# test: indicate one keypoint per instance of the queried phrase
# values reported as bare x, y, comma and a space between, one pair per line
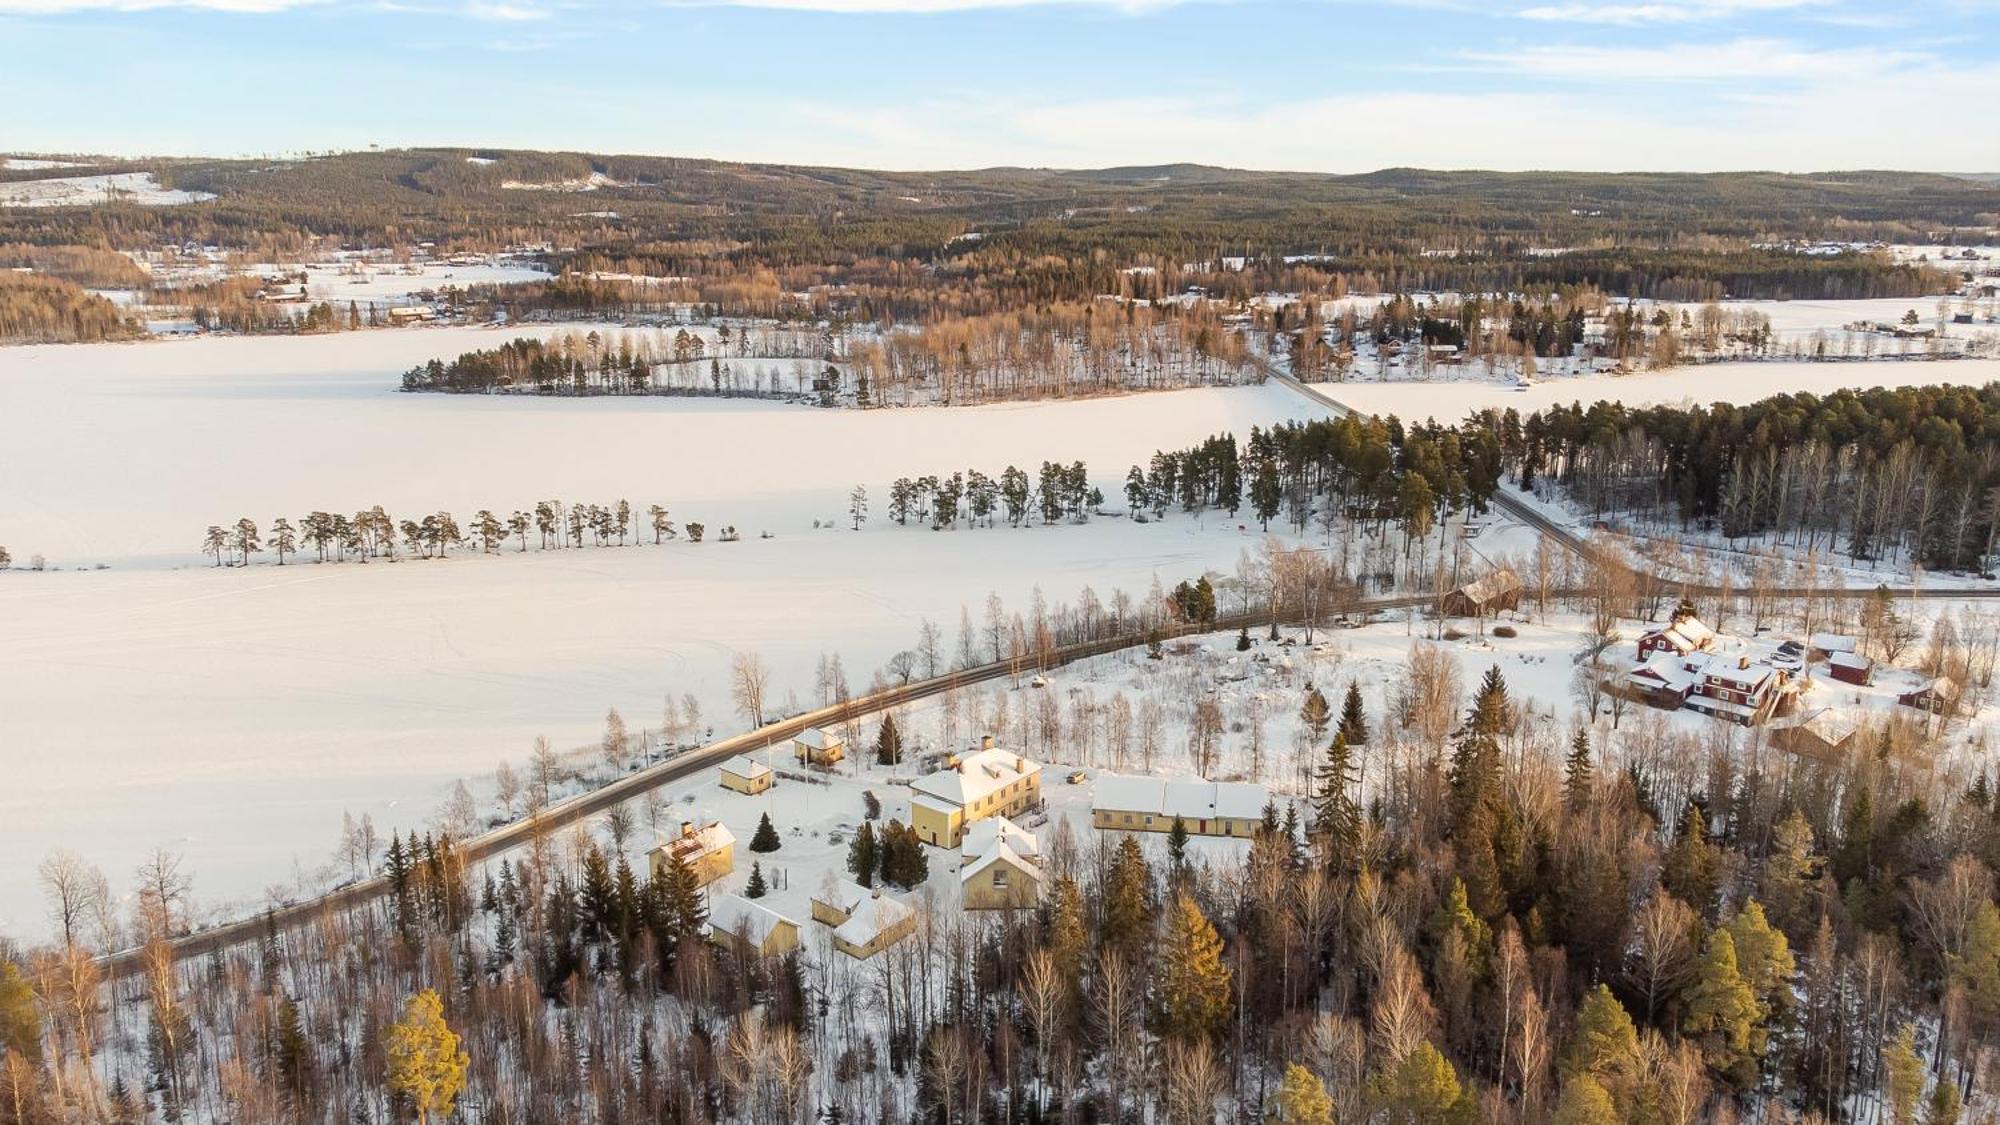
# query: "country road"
585, 805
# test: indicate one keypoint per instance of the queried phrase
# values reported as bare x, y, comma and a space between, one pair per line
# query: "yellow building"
1204, 808
1001, 879
746, 775
990, 782
741, 926
876, 923
816, 747
708, 850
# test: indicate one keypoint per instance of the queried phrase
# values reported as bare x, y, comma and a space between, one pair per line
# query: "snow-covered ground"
1449, 400
234, 714
31, 164
82, 191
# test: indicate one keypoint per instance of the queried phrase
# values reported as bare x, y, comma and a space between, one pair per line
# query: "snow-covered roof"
1499, 582
742, 765
983, 834
734, 914
843, 896
1847, 660
1665, 669
976, 776
870, 918
1188, 800
699, 841
1000, 852
817, 739
1694, 630
1833, 642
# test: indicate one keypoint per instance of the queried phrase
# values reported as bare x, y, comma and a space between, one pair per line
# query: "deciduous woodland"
38, 308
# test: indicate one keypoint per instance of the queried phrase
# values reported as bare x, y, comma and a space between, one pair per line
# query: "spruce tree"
1692, 869
1579, 776
888, 743
755, 887
1177, 841
1605, 1045
1128, 896
1192, 981
1353, 719
861, 855
765, 839
1336, 814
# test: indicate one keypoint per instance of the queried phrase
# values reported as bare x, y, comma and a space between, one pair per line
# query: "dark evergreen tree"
765, 839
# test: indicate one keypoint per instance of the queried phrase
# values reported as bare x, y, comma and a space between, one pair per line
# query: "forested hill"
1183, 210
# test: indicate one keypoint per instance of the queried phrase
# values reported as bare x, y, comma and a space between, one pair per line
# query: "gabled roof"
976, 776
1188, 800
1000, 853
870, 918
843, 896
742, 765
816, 739
1502, 581
1833, 642
734, 914
983, 834
710, 837
1848, 660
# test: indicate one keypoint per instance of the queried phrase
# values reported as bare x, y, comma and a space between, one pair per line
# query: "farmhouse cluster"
979, 808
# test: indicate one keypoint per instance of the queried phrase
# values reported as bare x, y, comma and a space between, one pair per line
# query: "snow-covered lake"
235, 714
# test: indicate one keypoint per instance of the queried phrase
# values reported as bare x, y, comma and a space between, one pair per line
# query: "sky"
1309, 85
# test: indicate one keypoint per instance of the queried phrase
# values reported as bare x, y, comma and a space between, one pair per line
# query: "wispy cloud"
1761, 60
1661, 11
926, 7
59, 7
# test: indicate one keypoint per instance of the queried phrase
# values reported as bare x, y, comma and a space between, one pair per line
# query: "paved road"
1575, 541
585, 805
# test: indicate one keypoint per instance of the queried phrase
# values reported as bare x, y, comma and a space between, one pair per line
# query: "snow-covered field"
82, 191
1716, 382
234, 714
391, 285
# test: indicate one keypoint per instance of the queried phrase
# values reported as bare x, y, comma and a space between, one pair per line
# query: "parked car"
1075, 777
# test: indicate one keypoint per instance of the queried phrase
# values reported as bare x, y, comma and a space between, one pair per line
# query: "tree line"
372, 533
1898, 474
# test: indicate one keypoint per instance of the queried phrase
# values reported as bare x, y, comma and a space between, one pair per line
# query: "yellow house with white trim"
989, 782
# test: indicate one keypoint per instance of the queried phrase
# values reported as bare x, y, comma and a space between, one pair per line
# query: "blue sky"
1323, 85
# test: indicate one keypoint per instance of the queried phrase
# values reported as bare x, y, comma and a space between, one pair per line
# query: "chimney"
1020, 764
986, 742
687, 829
1743, 664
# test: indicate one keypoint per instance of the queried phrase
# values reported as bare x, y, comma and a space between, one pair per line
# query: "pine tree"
1903, 1076
1177, 842
599, 895
888, 743
765, 839
862, 859
1454, 920
755, 887
1578, 775
291, 1051
1721, 1012
425, 1062
1353, 719
1605, 1045
1945, 1104
1585, 1102
1764, 958
1422, 1089
1192, 982
1301, 1099
20, 1021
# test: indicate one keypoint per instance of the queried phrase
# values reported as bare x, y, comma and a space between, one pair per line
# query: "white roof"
1847, 659
843, 896
734, 914
742, 765
710, 837
817, 739
977, 776
1833, 642
871, 916
1188, 800
983, 834
1001, 853
1671, 670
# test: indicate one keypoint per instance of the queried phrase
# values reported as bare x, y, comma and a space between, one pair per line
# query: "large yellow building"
989, 782
709, 850
1152, 804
